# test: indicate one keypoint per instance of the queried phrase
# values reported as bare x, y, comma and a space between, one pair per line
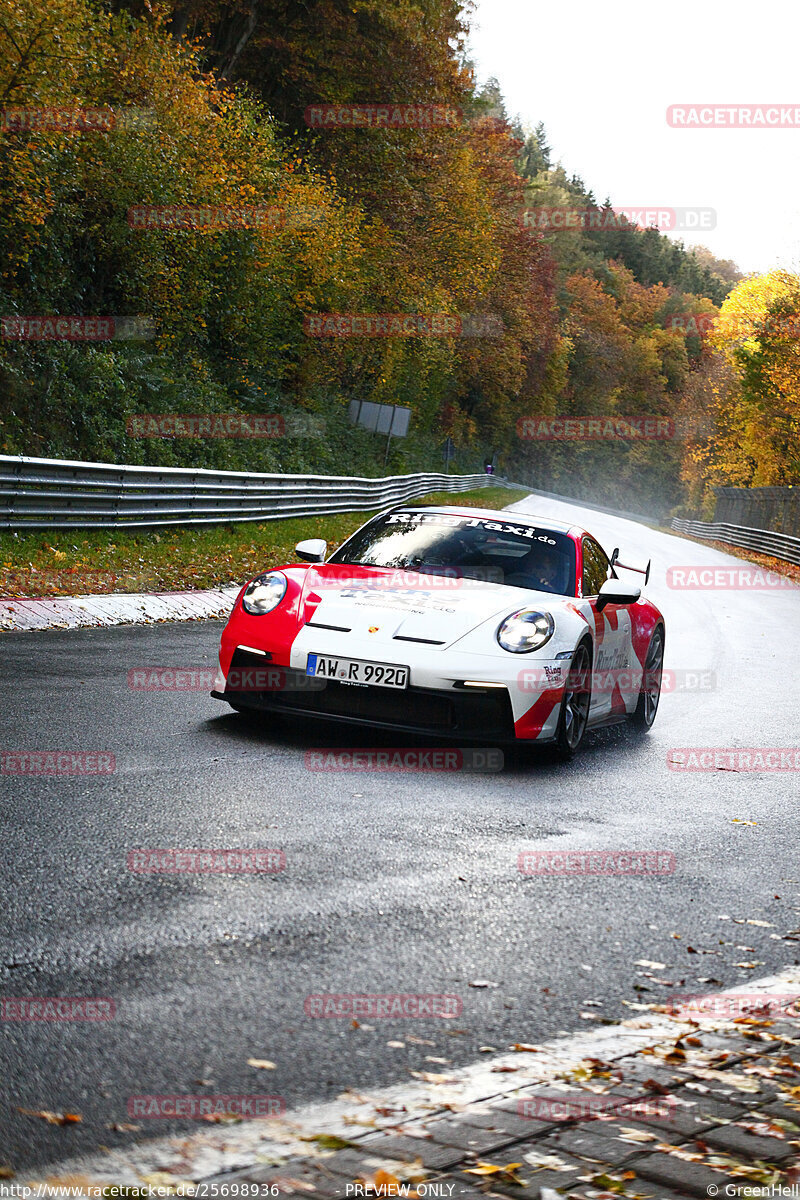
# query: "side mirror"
312, 550
617, 591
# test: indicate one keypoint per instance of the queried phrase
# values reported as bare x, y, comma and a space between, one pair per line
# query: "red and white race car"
451, 622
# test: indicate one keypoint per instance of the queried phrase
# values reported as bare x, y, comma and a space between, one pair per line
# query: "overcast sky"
601, 74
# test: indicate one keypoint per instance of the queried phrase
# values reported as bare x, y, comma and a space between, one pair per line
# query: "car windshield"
496, 551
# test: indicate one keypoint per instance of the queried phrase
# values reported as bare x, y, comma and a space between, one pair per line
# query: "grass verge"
74, 562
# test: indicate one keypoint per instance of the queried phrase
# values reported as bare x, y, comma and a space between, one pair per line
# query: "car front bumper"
477, 706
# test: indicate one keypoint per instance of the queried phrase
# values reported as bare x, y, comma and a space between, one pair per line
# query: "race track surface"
395, 883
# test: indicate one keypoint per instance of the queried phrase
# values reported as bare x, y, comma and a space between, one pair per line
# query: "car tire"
650, 692
575, 703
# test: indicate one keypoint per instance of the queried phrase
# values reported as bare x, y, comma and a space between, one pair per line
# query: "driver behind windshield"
543, 569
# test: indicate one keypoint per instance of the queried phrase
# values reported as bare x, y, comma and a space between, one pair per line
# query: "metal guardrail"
49, 493
762, 541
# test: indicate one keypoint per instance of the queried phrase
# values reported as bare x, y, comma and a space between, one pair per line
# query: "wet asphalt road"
394, 883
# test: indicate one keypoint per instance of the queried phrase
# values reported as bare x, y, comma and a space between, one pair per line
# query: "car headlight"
265, 593
525, 630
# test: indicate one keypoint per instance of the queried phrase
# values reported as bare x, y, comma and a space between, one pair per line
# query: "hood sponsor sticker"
411, 602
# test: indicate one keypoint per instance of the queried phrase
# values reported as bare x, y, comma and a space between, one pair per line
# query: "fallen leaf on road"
385, 1184
630, 1134
748, 966
262, 1063
329, 1141
762, 1128
167, 1183
52, 1118
396, 1045
520, 1046
443, 1062
676, 1054
652, 1085
740, 1082
418, 1041
612, 1183
482, 983
646, 962
430, 1077
6, 1172
508, 1173
679, 1152
545, 1162
122, 1127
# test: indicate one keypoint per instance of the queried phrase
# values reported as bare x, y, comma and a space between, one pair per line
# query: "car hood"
437, 609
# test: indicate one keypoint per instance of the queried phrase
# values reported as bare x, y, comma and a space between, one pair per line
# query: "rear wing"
639, 570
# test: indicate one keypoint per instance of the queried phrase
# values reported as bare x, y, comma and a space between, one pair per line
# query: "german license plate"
350, 670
